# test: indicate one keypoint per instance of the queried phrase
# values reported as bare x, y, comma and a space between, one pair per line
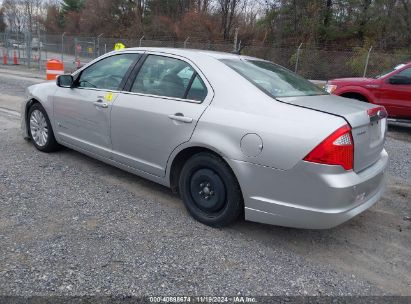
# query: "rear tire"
40, 130
210, 191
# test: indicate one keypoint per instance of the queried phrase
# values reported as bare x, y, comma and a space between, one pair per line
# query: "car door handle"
180, 117
99, 103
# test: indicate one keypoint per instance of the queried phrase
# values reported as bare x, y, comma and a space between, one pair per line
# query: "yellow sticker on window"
109, 97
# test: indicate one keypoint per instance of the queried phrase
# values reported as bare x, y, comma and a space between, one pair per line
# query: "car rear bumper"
310, 196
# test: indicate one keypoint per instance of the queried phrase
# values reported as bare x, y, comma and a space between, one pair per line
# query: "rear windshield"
273, 79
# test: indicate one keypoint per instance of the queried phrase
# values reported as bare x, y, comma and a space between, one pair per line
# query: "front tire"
210, 191
40, 130
355, 96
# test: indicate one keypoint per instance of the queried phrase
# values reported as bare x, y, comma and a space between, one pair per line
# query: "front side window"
169, 77
107, 73
273, 79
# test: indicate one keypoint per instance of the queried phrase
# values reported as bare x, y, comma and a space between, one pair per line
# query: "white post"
185, 42
98, 44
235, 48
141, 40
62, 46
366, 61
298, 57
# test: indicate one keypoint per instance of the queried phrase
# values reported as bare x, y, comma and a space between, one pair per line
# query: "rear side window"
198, 90
169, 77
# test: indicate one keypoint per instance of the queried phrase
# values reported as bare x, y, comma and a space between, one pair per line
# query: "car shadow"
146, 188
399, 127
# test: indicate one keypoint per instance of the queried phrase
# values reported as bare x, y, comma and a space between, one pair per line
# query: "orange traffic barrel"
15, 59
54, 68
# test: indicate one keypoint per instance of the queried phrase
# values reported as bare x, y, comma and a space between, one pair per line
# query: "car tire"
210, 191
40, 130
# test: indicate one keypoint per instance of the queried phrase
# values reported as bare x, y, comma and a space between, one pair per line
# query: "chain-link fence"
311, 61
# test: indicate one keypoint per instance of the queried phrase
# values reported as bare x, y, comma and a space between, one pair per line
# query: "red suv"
391, 89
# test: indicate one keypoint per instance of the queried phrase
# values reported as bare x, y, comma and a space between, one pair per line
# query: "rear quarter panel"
239, 108
288, 133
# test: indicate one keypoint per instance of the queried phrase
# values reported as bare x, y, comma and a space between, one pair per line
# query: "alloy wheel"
38, 128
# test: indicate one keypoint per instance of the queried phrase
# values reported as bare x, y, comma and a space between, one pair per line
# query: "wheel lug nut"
201, 185
211, 193
201, 193
208, 185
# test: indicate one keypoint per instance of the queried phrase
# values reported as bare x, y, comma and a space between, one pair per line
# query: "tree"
53, 23
2, 21
174, 9
33, 11
228, 9
68, 6
70, 15
14, 15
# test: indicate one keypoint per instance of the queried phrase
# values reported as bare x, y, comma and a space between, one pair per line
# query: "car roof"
191, 52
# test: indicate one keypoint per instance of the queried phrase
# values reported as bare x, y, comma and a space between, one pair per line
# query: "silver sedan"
234, 135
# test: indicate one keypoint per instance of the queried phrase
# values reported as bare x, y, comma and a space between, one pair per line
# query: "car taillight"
377, 113
337, 149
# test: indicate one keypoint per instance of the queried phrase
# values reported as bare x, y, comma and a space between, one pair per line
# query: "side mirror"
65, 81
398, 79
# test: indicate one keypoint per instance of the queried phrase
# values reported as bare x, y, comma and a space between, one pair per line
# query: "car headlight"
330, 88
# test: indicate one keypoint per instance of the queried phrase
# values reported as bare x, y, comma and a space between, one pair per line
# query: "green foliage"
71, 6
356, 63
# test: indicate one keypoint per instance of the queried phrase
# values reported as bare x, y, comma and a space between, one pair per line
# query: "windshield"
273, 79
389, 71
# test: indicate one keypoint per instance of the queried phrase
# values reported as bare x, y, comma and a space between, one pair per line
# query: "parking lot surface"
71, 225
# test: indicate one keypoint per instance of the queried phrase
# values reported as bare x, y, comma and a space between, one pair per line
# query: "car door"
160, 110
396, 97
82, 113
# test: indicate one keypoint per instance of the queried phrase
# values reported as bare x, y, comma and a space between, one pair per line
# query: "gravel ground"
400, 167
70, 225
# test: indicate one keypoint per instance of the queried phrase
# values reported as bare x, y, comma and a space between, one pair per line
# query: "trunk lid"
368, 129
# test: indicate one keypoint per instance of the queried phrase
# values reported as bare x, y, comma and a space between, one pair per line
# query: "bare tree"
141, 6
203, 6
23, 15
14, 15
228, 10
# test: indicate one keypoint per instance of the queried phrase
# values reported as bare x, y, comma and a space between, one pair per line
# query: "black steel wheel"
210, 190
